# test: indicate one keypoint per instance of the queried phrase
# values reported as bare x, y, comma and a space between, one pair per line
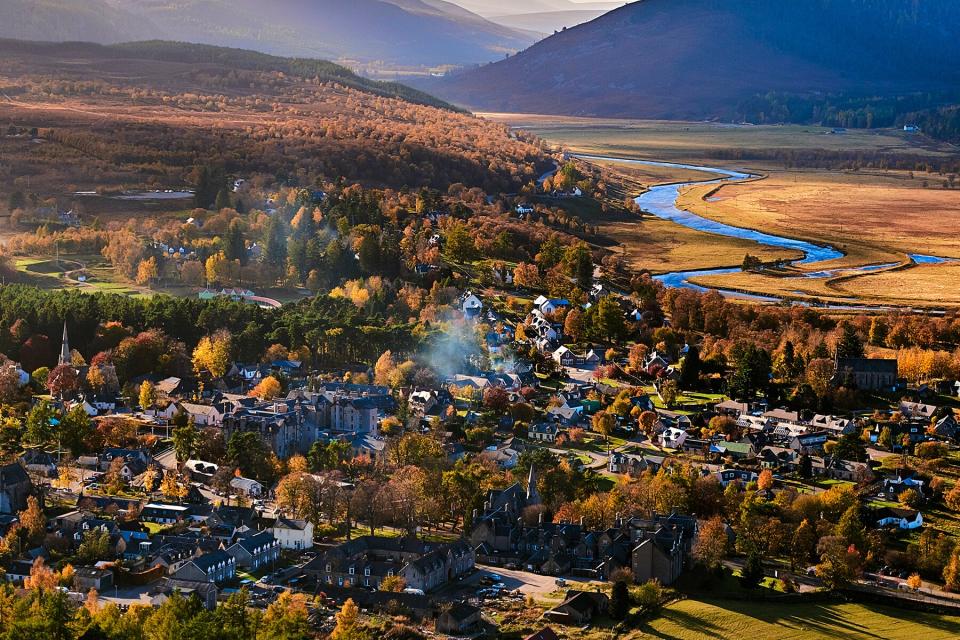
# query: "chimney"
581, 521
540, 518
475, 514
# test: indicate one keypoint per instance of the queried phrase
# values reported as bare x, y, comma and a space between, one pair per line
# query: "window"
366, 571
328, 568
351, 570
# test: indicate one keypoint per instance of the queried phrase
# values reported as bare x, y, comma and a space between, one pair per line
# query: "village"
269, 477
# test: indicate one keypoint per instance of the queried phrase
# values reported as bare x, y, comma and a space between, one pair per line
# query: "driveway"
528, 583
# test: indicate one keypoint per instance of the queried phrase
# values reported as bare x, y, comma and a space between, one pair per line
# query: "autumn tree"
148, 395
393, 583
63, 381
288, 618
527, 275
712, 544
603, 423
348, 623
647, 422
113, 479
172, 487
212, 354
33, 521
268, 389
147, 271
765, 480
573, 325
384, 368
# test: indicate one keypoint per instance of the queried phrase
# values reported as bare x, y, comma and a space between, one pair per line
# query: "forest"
934, 112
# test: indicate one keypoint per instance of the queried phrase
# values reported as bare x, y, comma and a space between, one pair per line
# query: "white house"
673, 438
293, 534
247, 487
203, 415
900, 518
836, 426
524, 209
553, 305
471, 305
543, 432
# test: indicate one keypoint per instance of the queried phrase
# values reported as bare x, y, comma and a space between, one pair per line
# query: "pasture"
733, 620
696, 141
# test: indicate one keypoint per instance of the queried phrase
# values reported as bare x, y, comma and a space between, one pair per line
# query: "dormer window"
366, 571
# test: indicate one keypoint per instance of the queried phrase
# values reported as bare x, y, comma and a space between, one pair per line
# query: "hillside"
711, 58
151, 113
396, 32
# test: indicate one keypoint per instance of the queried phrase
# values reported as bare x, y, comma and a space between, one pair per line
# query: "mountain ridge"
396, 32
703, 58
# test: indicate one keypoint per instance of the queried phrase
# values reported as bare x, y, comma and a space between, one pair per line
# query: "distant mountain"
398, 32
547, 21
718, 58
62, 20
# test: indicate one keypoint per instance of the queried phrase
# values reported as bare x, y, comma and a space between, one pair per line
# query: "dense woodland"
934, 113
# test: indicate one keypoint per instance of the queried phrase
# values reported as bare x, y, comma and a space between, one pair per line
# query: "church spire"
65, 347
533, 496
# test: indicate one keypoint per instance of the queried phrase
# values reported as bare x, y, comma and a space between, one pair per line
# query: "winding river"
661, 201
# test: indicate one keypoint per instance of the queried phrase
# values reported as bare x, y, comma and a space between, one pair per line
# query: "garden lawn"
735, 620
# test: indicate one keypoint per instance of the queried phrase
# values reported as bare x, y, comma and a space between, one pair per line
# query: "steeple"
65, 347
533, 496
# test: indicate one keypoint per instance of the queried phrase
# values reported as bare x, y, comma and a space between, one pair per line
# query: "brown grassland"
876, 216
693, 142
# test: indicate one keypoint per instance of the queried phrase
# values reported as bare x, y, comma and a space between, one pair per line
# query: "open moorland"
823, 186
147, 115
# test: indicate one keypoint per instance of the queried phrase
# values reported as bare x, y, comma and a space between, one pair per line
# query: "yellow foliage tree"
268, 389
147, 271
213, 354
348, 622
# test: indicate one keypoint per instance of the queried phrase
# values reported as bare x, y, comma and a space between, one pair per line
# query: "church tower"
533, 496
65, 347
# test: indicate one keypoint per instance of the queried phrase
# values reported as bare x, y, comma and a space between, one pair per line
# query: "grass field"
875, 217
689, 141
737, 620
879, 215
662, 246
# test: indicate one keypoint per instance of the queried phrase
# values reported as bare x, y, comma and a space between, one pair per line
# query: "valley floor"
899, 224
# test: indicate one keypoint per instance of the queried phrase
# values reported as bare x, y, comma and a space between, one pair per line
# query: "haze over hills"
548, 21
539, 16
488, 8
715, 58
397, 32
